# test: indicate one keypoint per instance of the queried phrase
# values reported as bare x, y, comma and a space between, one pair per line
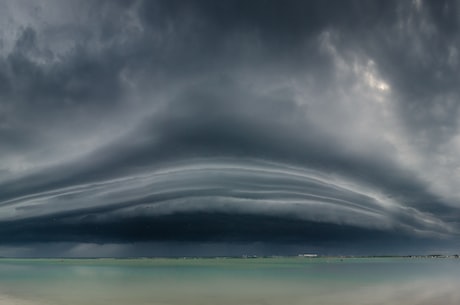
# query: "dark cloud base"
187, 227
203, 234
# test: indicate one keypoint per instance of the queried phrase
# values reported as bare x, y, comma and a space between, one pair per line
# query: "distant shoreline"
243, 257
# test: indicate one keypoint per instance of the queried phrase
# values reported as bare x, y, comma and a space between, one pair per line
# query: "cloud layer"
327, 123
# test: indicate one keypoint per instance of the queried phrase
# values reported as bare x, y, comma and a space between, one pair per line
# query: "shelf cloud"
324, 124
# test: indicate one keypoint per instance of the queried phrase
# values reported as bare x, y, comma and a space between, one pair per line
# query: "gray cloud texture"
332, 124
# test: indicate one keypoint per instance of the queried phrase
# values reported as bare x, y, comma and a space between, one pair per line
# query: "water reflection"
230, 281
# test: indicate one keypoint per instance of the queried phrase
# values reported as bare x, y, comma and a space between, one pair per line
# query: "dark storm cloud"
238, 121
204, 226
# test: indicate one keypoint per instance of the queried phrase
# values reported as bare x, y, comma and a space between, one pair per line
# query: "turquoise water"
230, 281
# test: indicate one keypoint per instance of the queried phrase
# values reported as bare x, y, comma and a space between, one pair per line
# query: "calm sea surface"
230, 281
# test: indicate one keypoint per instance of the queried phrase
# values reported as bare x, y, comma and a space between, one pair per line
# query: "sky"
176, 128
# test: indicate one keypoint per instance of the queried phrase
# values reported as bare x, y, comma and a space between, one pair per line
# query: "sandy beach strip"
10, 300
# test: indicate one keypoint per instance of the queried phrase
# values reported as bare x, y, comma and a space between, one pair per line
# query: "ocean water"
222, 281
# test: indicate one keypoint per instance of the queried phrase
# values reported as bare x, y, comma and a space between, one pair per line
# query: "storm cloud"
322, 125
